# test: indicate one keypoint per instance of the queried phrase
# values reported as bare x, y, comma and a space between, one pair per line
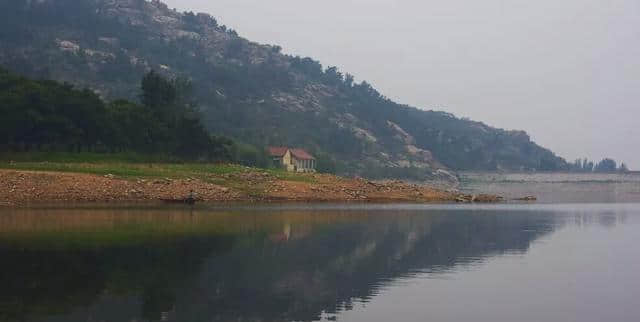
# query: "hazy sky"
566, 71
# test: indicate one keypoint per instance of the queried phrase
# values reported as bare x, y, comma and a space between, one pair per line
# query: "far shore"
504, 172
43, 182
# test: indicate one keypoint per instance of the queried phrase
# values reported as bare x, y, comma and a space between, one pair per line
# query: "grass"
130, 166
129, 170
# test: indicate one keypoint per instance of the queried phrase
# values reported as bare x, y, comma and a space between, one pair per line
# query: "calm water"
557, 187
514, 262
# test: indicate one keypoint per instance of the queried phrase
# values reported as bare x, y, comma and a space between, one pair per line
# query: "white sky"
566, 71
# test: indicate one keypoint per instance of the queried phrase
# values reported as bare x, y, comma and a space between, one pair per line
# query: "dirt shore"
19, 187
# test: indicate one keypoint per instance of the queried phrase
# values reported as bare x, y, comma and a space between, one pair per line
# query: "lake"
547, 261
556, 187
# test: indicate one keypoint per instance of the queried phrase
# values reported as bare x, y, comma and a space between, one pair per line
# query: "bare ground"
19, 187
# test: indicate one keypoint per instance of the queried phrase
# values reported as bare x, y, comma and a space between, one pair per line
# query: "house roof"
301, 154
277, 151
280, 151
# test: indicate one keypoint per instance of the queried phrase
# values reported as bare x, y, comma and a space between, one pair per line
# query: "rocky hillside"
249, 91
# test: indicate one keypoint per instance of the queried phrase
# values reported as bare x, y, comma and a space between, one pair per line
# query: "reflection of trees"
326, 261
53, 282
326, 271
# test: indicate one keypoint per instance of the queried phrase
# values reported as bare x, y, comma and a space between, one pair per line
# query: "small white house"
293, 160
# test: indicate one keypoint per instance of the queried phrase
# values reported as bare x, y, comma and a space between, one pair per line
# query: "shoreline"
20, 187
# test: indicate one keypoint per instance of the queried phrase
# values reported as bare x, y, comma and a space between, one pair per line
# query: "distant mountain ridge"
252, 92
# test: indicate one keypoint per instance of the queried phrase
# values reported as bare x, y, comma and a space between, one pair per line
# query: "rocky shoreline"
18, 187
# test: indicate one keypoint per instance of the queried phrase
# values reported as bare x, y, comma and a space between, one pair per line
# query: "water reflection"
241, 265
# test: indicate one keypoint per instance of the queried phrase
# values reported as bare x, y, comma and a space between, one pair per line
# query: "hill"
252, 92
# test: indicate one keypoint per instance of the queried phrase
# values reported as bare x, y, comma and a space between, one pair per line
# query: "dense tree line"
607, 165
51, 116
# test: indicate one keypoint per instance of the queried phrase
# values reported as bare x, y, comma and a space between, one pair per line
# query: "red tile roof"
301, 154
277, 151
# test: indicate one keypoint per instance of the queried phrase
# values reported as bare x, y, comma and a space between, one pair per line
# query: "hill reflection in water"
269, 264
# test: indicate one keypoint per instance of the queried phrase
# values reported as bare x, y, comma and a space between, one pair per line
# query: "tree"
348, 80
606, 165
587, 166
333, 76
307, 66
192, 139
548, 164
47, 115
137, 128
325, 164
235, 48
158, 94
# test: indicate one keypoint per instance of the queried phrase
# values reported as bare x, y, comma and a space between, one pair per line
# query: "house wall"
304, 165
288, 161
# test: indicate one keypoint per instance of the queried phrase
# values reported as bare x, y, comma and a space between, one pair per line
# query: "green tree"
159, 94
606, 165
325, 164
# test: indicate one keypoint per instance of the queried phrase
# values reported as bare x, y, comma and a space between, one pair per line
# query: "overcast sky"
566, 71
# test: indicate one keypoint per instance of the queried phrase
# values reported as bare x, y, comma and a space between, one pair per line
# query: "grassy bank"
130, 166
117, 178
